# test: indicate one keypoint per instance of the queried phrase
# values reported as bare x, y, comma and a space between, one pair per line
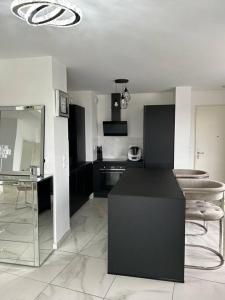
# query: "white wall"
88, 100
187, 101
118, 146
182, 143
31, 81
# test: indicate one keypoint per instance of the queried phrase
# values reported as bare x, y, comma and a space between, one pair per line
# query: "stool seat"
203, 211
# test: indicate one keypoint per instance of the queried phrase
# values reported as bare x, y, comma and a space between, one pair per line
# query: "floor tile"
18, 288
98, 246
211, 275
196, 289
131, 288
48, 271
86, 274
83, 229
97, 207
3, 267
58, 293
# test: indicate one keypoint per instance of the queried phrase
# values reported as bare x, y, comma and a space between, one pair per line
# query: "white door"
210, 141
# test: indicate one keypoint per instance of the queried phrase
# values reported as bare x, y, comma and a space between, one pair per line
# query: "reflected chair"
205, 202
22, 187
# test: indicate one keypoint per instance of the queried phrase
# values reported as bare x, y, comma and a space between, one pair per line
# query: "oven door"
109, 178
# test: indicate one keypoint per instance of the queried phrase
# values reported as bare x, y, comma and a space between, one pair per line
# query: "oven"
106, 175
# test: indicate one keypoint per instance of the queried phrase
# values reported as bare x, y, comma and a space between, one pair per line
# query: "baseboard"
59, 243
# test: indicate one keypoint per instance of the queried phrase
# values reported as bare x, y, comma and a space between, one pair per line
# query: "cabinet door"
88, 180
80, 187
73, 192
159, 124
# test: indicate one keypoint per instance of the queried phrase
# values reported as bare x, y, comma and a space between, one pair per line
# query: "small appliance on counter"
134, 153
99, 152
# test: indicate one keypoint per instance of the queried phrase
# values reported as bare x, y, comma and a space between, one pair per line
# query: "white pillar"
182, 147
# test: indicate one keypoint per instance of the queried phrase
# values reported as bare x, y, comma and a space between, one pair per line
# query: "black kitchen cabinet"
81, 183
76, 130
81, 186
159, 125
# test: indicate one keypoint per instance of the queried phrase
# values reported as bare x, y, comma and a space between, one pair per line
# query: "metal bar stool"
193, 174
190, 173
201, 196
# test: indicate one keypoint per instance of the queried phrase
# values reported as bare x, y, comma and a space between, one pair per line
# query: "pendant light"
59, 13
125, 95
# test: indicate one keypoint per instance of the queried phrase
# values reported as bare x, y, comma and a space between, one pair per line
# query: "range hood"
116, 127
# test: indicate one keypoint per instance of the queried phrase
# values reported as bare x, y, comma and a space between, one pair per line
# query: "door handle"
199, 153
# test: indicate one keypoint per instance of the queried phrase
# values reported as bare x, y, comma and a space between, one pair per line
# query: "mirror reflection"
21, 137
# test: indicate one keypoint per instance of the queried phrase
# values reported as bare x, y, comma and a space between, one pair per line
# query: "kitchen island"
147, 226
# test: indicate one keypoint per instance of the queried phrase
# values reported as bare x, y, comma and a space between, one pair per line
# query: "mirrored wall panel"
26, 220
21, 139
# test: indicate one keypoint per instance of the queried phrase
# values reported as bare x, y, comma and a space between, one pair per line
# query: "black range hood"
116, 127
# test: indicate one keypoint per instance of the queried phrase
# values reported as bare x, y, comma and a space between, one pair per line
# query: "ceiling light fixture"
125, 95
59, 13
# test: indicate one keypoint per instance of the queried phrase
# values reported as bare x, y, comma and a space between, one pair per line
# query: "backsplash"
117, 147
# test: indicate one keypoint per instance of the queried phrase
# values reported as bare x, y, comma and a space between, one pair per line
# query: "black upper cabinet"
77, 152
159, 125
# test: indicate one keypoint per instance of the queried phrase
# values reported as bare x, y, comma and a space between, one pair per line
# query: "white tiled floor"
78, 270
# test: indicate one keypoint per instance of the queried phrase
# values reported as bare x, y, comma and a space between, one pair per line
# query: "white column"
61, 159
182, 147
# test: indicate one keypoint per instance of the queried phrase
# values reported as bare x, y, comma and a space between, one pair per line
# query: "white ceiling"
157, 44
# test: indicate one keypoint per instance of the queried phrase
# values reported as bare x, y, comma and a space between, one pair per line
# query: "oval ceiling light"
59, 13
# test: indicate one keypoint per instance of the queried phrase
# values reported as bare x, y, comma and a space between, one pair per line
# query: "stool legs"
218, 254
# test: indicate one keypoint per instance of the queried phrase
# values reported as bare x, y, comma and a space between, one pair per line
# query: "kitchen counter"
147, 226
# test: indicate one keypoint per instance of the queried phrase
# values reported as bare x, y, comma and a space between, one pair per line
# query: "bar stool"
193, 174
207, 193
190, 173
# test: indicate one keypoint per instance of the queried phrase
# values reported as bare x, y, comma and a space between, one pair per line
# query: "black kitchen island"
147, 226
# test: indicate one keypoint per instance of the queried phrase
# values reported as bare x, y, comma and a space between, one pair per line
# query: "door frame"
195, 126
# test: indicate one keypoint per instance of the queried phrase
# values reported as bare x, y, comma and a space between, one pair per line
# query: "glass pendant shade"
123, 102
59, 13
126, 94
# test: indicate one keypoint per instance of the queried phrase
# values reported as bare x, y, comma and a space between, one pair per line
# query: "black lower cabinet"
81, 186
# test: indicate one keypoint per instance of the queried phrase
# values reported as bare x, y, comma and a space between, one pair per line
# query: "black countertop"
142, 182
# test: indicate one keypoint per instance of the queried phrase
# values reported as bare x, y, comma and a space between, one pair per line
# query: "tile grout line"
50, 282
212, 281
110, 286
34, 279
91, 239
173, 290
36, 298
63, 287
